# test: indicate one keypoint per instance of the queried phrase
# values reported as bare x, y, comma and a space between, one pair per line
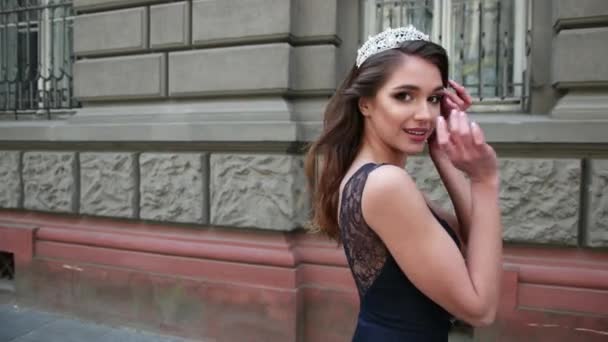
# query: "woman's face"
402, 114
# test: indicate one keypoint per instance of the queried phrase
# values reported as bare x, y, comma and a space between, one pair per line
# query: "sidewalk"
19, 324
25, 325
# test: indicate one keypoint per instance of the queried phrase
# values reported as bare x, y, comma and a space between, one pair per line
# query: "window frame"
442, 33
53, 94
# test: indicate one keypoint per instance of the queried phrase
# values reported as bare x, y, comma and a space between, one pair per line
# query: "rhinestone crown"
386, 40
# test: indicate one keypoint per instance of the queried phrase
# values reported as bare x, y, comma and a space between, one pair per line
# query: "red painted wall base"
233, 285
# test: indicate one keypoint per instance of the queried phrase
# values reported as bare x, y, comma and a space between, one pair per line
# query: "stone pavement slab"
26, 325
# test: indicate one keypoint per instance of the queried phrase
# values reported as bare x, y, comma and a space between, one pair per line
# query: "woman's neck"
378, 152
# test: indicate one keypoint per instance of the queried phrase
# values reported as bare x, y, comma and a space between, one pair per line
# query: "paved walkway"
19, 324
25, 325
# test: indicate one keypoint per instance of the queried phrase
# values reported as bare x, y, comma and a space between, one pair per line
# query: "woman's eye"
435, 99
403, 96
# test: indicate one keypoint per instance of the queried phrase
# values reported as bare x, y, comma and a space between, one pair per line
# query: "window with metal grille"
7, 266
36, 59
485, 39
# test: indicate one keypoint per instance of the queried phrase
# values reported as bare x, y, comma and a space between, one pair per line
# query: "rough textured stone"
261, 191
427, 179
10, 179
222, 70
232, 20
49, 181
108, 184
170, 25
173, 187
130, 77
539, 197
111, 32
540, 200
597, 212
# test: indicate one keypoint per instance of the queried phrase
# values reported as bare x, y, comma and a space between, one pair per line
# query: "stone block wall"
579, 69
193, 114
551, 201
134, 49
263, 191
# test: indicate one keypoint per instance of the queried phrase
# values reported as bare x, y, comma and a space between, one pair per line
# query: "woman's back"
391, 307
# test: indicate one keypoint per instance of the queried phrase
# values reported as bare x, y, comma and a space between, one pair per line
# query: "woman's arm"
455, 182
397, 211
459, 190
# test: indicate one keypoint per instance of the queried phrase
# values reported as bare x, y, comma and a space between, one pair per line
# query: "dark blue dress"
391, 308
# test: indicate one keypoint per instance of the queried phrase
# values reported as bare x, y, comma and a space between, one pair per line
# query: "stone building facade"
172, 199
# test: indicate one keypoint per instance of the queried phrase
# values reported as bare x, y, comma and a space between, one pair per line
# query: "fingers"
459, 137
454, 121
462, 94
441, 131
449, 105
443, 138
464, 126
478, 136
461, 134
456, 101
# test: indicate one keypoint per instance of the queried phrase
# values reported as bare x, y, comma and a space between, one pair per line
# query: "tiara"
386, 40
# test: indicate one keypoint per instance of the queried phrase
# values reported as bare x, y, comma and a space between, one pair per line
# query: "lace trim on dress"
365, 251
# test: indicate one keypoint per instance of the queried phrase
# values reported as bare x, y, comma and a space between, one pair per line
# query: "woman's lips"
417, 134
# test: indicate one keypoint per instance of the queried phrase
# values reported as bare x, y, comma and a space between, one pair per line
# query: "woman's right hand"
464, 143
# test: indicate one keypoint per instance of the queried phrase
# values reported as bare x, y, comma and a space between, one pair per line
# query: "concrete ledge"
90, 5
579, 57
131, 77
254, 69
111, 32
580, 104
515, 128
582, 13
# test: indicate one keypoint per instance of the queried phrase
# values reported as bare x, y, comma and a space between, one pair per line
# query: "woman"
407, 255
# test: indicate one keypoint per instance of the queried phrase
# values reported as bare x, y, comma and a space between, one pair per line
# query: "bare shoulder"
390, 180
388, 191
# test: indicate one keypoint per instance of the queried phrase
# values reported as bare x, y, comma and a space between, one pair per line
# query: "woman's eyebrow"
416, 88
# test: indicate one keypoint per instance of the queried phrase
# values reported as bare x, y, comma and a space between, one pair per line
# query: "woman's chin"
414, 149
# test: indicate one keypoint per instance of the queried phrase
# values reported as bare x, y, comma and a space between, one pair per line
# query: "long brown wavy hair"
330, 156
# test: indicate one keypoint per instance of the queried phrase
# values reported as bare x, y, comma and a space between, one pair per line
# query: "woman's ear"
364, 106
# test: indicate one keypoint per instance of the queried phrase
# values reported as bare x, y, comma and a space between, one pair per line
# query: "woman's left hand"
460, 100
